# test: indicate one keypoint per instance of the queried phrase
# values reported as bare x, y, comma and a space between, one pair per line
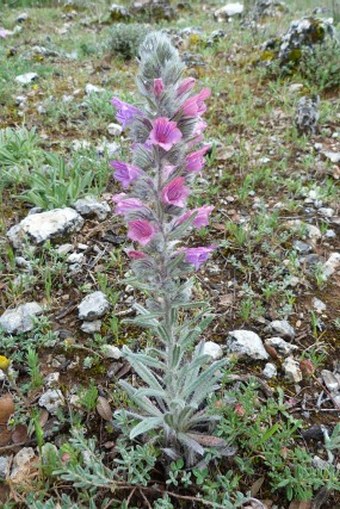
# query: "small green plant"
19, 152
58, 184
322, 67
37, 380
125, 38
88, 398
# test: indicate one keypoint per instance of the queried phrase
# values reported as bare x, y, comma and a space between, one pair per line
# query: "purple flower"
141, 231
175, 193
158, 86
126, 113
3, 33
135, 255
195, 105
196, 256
165, 133
127, 205
125, 173
201, 218
195, 160
185, 86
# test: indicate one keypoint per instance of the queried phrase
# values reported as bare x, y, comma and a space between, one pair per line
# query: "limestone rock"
21, 463
292, 370
331, 265
89, 206
45, 225
228, 11
26, 79
20, 319
4, 465
282, 328
331, 380
269, 370
93, 89
52, 399
93, 306
212, 349
280, 345
307, 114
246, 343
91, 327
111, 352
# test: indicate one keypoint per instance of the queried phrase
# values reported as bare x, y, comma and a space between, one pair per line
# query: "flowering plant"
157, 182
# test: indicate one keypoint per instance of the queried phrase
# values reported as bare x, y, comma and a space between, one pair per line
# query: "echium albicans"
167, 155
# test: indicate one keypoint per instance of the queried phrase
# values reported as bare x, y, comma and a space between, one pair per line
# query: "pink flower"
126, 113
185, 86
3, 33
158, 86
201, 218
196, 256
128, 205
195, 160
195, 105
125, 173
175, 193
135, 255
165, 133
141, 231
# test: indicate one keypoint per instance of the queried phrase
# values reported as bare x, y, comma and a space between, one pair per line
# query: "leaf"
145, 425
208, 440
7, 408
256, 486
19, 434
104, 409
296, 504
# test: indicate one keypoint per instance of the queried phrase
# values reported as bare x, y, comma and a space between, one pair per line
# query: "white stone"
114, 129
64, 249
45, 225
4, 464
93, 306
318, 305
89, 206
22, 17
52, 379
93, 89
282, 328
111, 352
334, 157
292, 370
109, 148
75, 258
52, 399
20, 319
25, 79
295, 87
80, 145
280, 345
326, 211
91, 327
269, 370
21, 462
246, 343
228, 11
331, 380
331, 265
212, 349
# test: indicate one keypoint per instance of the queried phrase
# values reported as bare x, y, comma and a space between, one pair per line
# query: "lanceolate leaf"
145, 425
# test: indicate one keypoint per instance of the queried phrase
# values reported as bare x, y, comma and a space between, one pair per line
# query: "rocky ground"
272, 175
